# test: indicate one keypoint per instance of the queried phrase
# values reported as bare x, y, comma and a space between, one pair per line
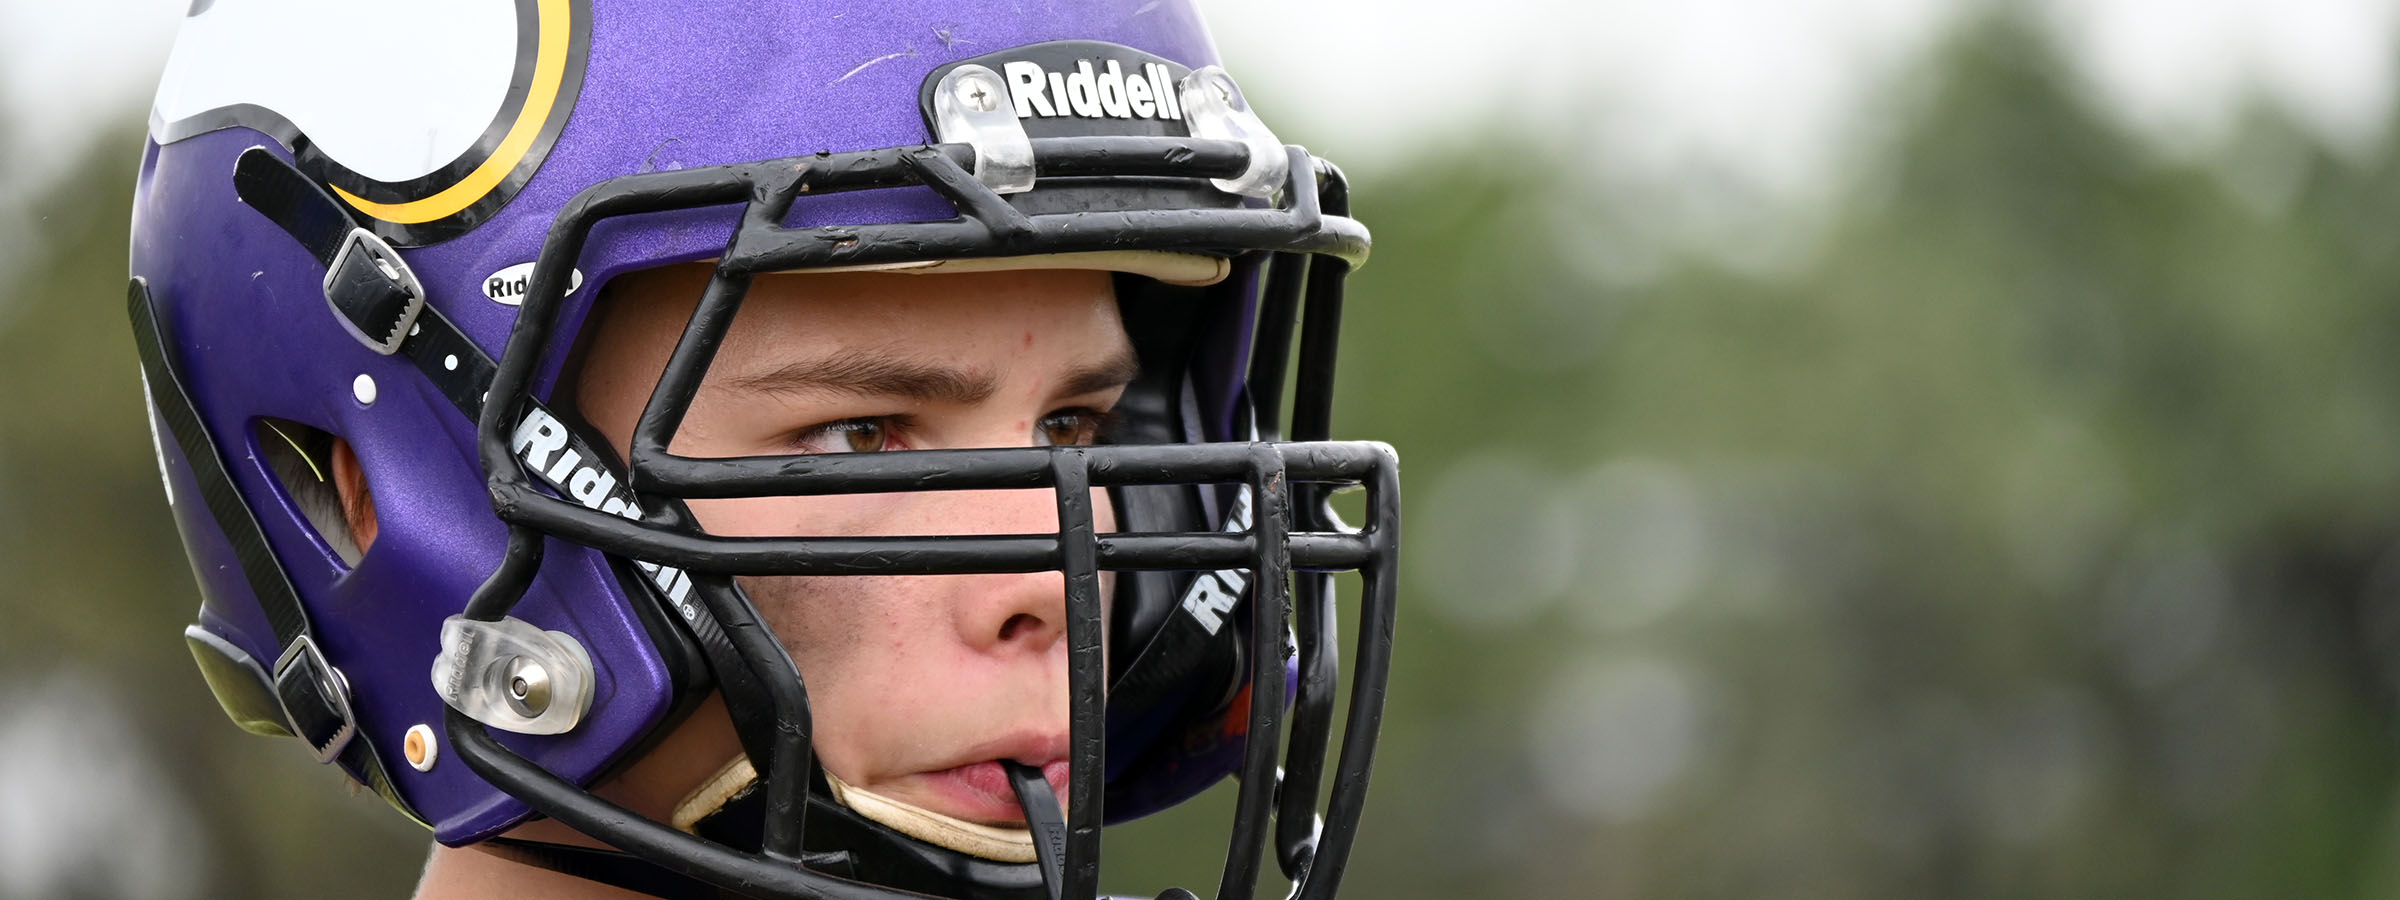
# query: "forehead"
1052, 312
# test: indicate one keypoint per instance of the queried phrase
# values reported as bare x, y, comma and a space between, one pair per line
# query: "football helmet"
385, 226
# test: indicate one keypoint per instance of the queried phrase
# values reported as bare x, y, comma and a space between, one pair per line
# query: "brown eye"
1067, 429
847, 436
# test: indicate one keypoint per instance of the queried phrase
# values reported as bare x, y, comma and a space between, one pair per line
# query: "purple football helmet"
401, 259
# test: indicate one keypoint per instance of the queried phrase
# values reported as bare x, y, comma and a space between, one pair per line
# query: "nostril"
1016, 625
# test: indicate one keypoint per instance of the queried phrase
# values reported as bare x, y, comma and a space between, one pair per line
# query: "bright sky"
1769, 87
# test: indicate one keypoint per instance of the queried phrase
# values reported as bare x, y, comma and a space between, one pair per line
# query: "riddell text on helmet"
546, 447
1093, 92
1213, 594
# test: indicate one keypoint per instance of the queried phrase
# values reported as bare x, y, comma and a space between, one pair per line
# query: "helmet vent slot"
302, 459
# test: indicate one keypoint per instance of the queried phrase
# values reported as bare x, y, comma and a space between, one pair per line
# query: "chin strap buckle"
316, 699
373, 292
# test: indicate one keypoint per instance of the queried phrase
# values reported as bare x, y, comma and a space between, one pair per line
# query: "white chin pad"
992, 842
1013, 845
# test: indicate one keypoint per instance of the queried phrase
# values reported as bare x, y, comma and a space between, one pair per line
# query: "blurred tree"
2026, 538
99, 590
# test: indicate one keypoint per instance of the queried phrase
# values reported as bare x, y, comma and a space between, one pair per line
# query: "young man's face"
918, 686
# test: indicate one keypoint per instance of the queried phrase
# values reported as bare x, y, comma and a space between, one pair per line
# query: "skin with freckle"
910, 679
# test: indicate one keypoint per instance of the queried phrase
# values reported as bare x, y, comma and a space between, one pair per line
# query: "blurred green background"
2011, 514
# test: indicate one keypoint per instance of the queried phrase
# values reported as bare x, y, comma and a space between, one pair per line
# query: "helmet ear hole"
302, 458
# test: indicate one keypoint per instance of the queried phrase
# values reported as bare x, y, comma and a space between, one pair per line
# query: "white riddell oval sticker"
508, 285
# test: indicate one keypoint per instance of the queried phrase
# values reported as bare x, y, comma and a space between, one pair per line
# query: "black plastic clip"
316, 699
373, 292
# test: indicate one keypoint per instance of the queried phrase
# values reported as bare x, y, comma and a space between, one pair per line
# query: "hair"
302, 459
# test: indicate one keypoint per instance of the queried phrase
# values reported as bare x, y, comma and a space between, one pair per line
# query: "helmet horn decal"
464, 163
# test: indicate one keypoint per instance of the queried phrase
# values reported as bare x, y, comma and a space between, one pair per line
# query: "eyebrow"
869, 373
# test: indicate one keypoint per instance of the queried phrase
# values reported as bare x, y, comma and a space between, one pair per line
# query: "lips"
981, 792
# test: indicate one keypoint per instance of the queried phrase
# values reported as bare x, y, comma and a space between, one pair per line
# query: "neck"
651, 788
480, 873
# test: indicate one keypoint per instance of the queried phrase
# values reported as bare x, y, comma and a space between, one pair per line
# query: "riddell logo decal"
543, 443
508, 285
1213, 594
1092, 92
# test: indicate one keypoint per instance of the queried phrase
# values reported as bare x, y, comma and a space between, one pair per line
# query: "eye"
847, 436
1070, 427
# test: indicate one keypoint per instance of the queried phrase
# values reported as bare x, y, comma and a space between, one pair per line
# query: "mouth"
980, 791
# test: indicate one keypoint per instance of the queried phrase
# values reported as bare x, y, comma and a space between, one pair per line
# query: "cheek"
849, 629
869, 648
857, 641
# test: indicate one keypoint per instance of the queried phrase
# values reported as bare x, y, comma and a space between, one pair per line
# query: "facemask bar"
1275, 474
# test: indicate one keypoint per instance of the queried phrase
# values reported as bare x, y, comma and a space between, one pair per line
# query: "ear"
358, 503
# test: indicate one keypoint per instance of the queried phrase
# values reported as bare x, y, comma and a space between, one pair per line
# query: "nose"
1016, 612
1021, 613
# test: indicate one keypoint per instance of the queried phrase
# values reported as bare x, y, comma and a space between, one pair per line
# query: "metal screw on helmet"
970, 106
528, 687
979, 92
509, 674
